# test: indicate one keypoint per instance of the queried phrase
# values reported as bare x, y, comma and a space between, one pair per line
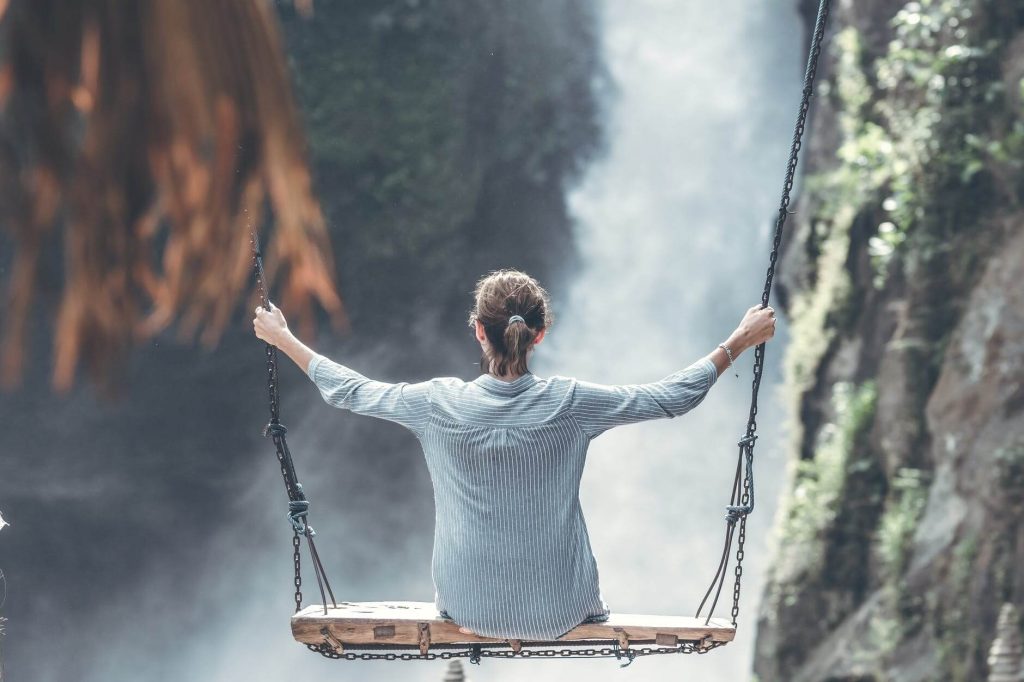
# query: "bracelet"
729, 353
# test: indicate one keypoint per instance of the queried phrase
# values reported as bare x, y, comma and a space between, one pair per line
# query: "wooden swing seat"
418, 624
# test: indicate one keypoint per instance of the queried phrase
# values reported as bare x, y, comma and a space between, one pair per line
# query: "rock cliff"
903, 275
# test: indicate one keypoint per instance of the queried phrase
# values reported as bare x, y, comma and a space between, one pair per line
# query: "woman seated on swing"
505, 452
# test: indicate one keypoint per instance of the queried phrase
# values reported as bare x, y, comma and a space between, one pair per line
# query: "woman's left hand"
270, 325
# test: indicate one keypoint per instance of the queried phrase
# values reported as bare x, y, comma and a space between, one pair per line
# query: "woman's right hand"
270, 325
756, 327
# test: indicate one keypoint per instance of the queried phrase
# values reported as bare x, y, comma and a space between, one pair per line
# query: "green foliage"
899, 611
956, 638
1005, 154
864, 147
939, 81
915, 141
819, 482
884, 632
906, 501
810, 334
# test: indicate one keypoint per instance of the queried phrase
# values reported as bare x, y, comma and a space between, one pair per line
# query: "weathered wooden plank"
355, 623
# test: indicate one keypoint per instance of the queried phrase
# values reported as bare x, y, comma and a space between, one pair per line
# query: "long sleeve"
405, 403
599, 407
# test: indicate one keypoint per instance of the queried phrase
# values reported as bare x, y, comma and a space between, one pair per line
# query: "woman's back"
512, 557
511, 552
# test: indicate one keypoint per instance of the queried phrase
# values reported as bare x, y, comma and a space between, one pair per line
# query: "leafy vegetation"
819, 482
955, 639
906, 501
811, 332
920, 124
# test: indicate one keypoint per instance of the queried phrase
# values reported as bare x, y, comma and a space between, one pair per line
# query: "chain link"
297, 560
475, 654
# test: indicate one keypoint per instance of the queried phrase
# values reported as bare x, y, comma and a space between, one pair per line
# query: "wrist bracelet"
729, 353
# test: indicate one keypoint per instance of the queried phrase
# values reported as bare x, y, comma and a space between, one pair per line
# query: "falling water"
674, 226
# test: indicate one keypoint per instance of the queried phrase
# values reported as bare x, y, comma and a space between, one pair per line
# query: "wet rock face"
895, 555
976, 412
975, 418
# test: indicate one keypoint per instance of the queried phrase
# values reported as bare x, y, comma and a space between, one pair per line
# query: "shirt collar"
496, 385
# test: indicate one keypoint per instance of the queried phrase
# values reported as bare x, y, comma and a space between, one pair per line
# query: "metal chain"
297, 560
759, 353
739, 509
298, 505
275, 419
475, 654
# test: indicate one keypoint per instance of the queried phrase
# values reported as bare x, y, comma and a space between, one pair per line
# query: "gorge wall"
901, 533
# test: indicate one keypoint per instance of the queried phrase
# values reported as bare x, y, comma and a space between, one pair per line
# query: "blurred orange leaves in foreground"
151, 136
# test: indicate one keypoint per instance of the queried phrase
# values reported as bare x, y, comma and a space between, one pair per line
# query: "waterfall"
674, 228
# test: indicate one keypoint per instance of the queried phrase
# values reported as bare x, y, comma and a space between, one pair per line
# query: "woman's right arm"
405, 403
599, 407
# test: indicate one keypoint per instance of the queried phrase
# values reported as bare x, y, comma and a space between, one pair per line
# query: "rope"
741, 501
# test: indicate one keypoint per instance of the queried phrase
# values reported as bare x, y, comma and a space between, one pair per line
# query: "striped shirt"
512, 558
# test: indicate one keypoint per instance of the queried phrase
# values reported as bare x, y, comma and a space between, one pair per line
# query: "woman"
505, 452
